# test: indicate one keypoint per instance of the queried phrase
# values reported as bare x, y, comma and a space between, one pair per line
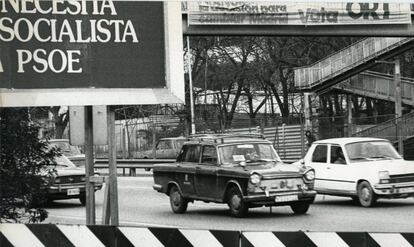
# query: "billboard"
297, 13
92, 48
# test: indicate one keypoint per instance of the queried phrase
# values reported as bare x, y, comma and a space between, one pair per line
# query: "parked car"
68, 181
243, 171
73, 153
166, 148
364, 169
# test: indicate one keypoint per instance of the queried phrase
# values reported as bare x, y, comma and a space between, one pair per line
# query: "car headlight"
57, 180
384, 177
310, 175
255, 178
83, 179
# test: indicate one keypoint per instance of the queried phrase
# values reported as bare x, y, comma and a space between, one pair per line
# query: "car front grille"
69, 179
402, 178
288, 184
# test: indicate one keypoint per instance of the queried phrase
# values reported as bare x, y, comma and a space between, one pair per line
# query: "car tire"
300, 207
82, 200
177, 201
238, 207
366, 196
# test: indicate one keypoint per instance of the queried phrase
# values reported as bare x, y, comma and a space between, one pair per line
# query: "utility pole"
193, 130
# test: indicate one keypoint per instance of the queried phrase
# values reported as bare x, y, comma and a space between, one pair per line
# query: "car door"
318, 161
206, 173
339, 172
187, 162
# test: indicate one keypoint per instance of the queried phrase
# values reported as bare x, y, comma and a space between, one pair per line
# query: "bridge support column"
349, 117
398, 106
307, 110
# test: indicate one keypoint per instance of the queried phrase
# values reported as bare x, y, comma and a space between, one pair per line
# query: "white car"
362, 168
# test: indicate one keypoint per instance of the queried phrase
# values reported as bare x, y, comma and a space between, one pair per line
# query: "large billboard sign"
89, 47
297, 13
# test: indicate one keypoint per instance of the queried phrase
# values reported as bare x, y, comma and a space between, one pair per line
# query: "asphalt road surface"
140, 205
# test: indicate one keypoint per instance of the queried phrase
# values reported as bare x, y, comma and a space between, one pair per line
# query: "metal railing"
389, 129
345, 59
379, 86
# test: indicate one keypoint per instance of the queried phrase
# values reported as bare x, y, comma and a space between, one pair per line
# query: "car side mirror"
302, 162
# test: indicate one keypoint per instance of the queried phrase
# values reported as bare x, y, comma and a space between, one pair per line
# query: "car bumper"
68, 191
396, 190
278, 198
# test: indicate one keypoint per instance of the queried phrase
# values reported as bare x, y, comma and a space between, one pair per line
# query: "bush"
26, 163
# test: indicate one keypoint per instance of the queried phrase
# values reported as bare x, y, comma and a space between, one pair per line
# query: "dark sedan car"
68, 181
243, 171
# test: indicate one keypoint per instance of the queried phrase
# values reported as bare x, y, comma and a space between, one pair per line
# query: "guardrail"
132, 164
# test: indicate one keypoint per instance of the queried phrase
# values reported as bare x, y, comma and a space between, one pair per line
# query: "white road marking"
263, 239
390, 239
140, 237
201, 238
326, 239
80, 235
19, 235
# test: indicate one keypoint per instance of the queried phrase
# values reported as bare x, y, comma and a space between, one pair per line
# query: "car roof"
346, 140
59, 140
219, 139
174, 138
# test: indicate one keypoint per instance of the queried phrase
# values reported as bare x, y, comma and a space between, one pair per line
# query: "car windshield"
63, 162
249, 153
66, 148
371, 150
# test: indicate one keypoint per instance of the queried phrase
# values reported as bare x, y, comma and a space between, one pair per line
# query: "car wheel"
238, 207
82, 200
178, 202
300, 207
366, 196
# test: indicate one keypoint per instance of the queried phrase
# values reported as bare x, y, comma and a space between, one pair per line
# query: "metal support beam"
89, 169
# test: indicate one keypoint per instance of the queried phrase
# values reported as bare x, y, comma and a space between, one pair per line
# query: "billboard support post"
113, 180
90, 187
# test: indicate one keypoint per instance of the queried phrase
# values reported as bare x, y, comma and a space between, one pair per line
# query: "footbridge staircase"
378, 86
350, 61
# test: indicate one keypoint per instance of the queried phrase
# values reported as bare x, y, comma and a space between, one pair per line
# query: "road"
140, 205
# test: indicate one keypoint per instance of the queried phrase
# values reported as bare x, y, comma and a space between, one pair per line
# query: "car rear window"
190, 153
320, 154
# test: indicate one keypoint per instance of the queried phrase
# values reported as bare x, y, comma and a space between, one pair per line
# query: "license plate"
286, 198
406, 190
72, 192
